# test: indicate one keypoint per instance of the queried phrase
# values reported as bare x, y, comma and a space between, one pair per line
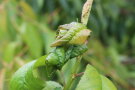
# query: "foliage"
69, 37
111, 47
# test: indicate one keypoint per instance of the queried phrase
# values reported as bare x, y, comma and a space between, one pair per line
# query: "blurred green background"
28, 27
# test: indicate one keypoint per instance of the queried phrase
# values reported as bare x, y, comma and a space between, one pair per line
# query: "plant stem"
79, 74
74, 70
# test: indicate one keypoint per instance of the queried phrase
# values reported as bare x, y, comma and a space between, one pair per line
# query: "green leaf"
107, 84
51, 85
66, 70
48, 37
76, 34
9, 52
27, 10
26, 78
80, 37
56, 57
40, 4
40, 62
78, 50
10, 16
90, 80
32, 38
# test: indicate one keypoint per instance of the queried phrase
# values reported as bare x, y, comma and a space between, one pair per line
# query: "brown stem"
79, 74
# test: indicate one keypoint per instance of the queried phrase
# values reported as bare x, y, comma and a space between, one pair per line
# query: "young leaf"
90, 80
107, 84
76, 34
56, 57
78, 50
51, 85
26, 78
66, 70
80, 37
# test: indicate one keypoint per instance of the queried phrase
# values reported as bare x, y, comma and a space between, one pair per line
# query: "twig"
77, 75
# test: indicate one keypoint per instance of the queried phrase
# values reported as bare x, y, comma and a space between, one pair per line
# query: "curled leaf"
56, 57
71, 34
78, 50
80, 37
